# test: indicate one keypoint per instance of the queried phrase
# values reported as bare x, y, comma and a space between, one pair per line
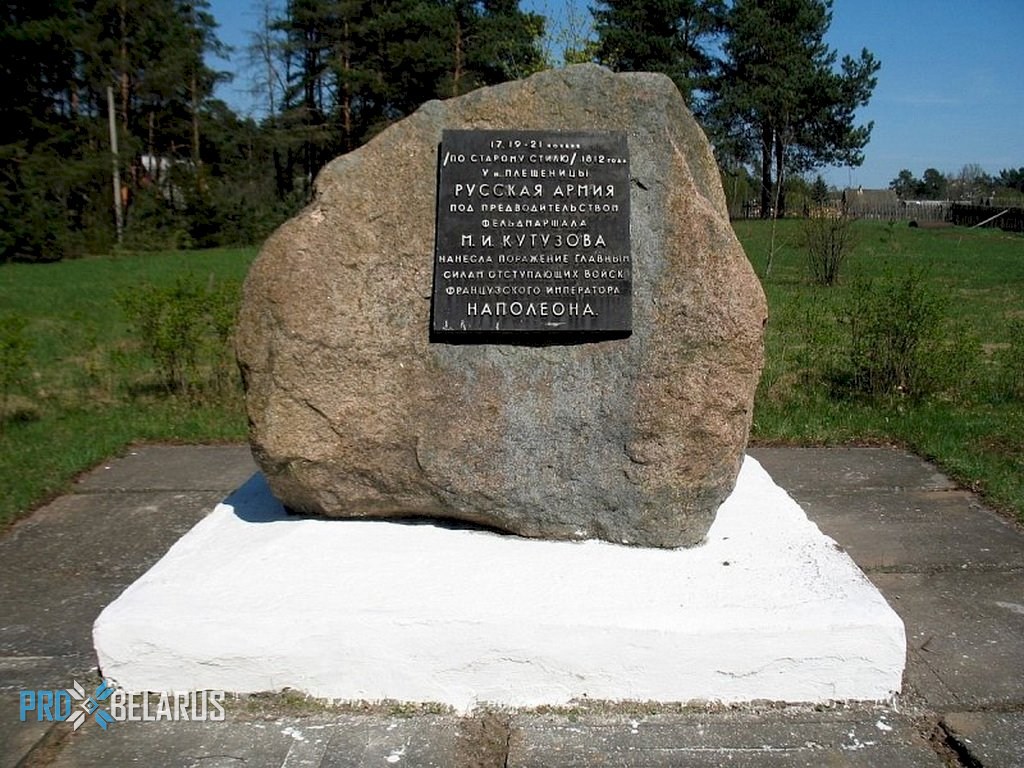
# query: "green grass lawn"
88, 390
971, 419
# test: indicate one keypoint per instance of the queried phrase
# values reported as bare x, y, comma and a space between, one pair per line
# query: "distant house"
158, 172
926, 210
872, 203
884, 204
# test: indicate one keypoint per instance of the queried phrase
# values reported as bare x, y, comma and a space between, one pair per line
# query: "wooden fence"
1006, 218
924, 210
876, 210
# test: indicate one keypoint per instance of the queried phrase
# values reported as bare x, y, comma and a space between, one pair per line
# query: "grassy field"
969, 417
88, 390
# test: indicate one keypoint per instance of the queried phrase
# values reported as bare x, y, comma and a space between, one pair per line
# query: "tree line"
192, 172
971, 184
330, 74
334, 74
66, 65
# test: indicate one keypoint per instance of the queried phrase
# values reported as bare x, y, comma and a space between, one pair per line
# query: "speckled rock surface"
354, 412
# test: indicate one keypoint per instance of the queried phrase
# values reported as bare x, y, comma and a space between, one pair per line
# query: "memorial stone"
385, 378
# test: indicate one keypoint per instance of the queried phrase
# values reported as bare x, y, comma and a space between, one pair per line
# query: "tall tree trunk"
197, 161
310, 76
766, 171
346, 90
125, 85
126, 90
780, 176
459, 54
284, 171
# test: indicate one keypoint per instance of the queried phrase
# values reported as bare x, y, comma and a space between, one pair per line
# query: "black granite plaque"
532, 233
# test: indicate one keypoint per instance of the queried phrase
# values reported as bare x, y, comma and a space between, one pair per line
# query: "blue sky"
950, 91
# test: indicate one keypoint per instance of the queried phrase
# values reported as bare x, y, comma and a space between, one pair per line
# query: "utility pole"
118, 213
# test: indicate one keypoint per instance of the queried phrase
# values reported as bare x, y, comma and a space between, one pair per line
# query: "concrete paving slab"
67, 561
991, 739
786, 738
18, 672
921, 683
173, 468
848, 468
428, 741
16, 738
321, 741
32, 673
59, 568
967, 627
916, 530
766, 739
214, 744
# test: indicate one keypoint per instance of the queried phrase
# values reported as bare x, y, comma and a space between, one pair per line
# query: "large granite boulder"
355, 412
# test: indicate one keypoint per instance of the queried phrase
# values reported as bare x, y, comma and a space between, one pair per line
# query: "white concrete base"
252, 600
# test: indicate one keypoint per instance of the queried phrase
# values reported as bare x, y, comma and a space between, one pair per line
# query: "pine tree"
337, 72
356, 66
40, 140
819, 191
670, 37
779, 103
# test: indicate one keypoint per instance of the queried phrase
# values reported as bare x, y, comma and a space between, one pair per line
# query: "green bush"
153, 223
896, 325
828, 240
1012, 363
14, 359
185, 329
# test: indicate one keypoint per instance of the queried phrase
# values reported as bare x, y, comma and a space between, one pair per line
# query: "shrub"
895, 332
185, 328
828, 238
153, 224
222, 306
1012, 363
14, 358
